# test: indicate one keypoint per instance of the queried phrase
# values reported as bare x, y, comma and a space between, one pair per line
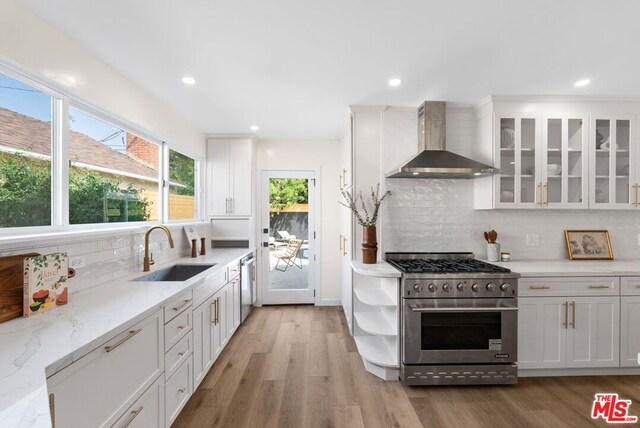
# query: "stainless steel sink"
175, 273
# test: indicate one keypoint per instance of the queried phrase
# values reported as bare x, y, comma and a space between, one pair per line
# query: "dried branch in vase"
367, 217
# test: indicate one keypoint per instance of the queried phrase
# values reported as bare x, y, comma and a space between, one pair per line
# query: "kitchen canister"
493, 252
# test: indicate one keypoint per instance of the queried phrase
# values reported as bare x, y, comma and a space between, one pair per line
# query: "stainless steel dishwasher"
247, 285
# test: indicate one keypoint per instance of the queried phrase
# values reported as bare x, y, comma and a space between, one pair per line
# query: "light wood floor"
297, 366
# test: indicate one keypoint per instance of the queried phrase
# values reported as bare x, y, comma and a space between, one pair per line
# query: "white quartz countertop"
381, 269
538, 268
33, 348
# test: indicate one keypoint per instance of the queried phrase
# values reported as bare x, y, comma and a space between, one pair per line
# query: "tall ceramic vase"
369, 245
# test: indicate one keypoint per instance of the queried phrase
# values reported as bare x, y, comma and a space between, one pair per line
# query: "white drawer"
234, 270
175, 329
97, 389
179, 353
147, 411
569, 286
630, 286
178, 389
176, 305
210, 285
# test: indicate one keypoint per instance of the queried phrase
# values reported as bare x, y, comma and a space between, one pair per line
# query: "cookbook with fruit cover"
45, 282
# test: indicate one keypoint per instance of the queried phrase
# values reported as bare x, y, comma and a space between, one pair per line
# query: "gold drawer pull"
182, 390
539, 287
599, 286
185, 303
180, 327
180, 354
133, 414
121, 341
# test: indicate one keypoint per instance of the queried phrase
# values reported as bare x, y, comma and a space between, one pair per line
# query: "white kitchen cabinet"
593, 334
629, 331
147, 411
558, 153
613, 143
85, 394
230, 177
219, 328
541, 332
203, 318
177, 390
568, 332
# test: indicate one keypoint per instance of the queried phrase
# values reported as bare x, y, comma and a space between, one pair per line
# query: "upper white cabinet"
613, 162
558, 154
230, 177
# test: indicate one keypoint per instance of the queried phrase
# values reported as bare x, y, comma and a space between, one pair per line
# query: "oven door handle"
416, 308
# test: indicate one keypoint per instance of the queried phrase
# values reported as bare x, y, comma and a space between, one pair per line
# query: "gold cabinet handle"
132, 416
121, 341
545, 191
180, 354
566, 315
573, 315
181, 327
344, 247
635, 200
182, 305
599, 286
539, 193
539, 287
52, 409
182, 390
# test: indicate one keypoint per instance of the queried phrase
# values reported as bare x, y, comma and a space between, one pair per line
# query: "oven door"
452, 331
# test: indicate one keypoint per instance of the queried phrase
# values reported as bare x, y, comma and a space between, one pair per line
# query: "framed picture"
588, 244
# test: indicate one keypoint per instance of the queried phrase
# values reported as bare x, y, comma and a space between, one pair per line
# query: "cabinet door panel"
218, 186
241, 174
593, 337
542, 343
202, 336
218, 329
630, 332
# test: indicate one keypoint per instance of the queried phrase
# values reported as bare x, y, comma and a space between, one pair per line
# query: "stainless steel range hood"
433, 160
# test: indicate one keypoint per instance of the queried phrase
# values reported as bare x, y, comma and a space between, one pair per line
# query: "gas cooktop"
439, 263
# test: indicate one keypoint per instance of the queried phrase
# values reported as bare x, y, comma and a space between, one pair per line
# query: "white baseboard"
329, 302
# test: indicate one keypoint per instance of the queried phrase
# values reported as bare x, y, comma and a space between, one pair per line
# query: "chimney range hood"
433, 160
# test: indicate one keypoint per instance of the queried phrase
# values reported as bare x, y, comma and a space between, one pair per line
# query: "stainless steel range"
459, 320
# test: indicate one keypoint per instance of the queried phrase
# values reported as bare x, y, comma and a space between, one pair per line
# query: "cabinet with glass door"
613, 163
518, 142
563, 180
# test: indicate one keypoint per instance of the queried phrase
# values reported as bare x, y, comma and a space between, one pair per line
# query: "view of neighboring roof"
21, 132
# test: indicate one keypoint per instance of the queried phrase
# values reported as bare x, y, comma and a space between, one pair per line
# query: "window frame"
61, 102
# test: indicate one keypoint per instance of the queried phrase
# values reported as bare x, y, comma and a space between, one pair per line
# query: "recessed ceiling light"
188, 80
583, 82
395, 82
255, 127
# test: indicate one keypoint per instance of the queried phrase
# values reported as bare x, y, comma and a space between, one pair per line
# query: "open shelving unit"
377, 318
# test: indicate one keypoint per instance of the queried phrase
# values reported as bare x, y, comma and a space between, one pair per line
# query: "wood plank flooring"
297, 366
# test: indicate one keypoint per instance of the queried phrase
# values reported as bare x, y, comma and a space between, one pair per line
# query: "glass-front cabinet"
563, 180
612, 148
518, 139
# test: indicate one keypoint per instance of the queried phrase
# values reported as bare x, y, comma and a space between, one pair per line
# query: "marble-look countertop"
539, 268
33, 348
381, 269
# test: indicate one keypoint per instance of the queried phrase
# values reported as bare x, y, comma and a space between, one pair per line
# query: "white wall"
438, 215
32, 45
301, 155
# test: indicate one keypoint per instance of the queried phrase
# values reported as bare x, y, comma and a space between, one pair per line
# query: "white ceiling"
293, 66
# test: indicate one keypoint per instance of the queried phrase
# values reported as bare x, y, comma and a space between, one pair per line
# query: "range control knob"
475, 288
461, 286
418, 287
504, 287
491, 286
446, 287
432, 287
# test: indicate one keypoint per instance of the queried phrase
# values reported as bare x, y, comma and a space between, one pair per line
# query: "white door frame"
311, 294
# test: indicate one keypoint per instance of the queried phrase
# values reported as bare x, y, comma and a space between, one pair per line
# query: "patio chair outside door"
288, 229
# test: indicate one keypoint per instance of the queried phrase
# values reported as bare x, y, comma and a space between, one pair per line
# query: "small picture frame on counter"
588, 245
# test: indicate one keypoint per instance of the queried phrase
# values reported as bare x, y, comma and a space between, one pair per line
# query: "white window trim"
60, 225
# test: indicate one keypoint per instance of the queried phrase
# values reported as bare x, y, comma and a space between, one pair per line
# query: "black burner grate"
446, 266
